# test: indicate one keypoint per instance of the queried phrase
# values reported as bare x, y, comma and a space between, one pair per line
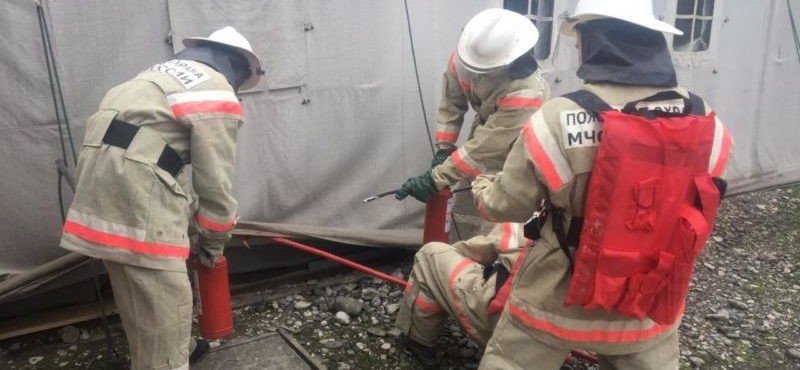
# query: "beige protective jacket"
128, 210
502, 105
547, 163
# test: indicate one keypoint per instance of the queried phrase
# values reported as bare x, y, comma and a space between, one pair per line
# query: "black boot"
200, 349
427, 356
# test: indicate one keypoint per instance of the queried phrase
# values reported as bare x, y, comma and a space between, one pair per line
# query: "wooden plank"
54, 319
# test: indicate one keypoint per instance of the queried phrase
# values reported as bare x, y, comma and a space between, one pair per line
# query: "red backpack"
650, 207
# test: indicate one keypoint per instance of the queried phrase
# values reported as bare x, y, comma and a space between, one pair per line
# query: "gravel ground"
742, 312
744, 308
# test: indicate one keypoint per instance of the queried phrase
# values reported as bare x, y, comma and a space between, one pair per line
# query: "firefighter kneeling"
627, 217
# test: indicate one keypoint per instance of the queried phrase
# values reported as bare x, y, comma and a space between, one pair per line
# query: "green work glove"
422, 188
441, 155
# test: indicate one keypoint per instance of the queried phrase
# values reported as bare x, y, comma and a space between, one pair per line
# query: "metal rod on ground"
335, 258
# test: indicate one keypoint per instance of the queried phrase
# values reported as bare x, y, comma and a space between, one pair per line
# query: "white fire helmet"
228, 36
638, 12
494, 38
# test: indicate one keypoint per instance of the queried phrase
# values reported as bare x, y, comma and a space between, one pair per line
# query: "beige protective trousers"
513, 349
156, 311
445, 282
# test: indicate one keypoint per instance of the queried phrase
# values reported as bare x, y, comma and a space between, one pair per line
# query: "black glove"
422, 188
441, 156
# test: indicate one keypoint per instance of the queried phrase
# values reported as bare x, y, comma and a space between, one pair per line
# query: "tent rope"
794, 29
60, 109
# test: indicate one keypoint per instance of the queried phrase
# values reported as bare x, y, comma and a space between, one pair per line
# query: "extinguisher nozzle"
379, 195
369, 199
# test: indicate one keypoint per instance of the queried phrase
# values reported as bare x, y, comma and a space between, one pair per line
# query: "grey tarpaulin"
338, 117
407, 238
360, 132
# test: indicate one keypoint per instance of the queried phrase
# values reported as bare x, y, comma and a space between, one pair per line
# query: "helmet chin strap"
227, 62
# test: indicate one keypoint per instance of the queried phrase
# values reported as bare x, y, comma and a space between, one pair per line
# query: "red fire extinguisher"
437, 217
214, 299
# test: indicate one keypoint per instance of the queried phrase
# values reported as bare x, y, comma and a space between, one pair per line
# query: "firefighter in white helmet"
624, 58
493, 71
133, 204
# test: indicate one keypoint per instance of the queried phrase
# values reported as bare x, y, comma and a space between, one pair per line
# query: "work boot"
200, 349
425, 355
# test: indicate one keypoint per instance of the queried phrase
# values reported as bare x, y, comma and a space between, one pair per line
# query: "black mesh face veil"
620, 52
523, 66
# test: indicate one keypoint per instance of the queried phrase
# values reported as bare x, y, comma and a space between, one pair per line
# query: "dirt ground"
742, 313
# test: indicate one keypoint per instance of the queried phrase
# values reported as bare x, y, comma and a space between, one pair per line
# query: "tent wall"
361, 130
338, 116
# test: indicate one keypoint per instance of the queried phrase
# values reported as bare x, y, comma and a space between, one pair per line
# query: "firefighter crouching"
594, 281
133, 203
494, 72
468, 281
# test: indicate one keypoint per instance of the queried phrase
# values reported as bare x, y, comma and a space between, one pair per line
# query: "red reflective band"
463, 166
185, 109
505, 239
725, 152
484, 212
604, 336
123, 242
214, 226
465, 86
424, 304
460, 315
449, 137
520, 102
540, 157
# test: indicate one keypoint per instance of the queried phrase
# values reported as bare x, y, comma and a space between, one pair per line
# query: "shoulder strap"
589, 101
569, 239
698, 105
694, 105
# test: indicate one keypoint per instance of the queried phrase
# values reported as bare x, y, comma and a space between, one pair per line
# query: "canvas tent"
338, 117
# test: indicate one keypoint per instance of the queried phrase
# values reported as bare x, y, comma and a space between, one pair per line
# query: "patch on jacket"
581, 129
186, 73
